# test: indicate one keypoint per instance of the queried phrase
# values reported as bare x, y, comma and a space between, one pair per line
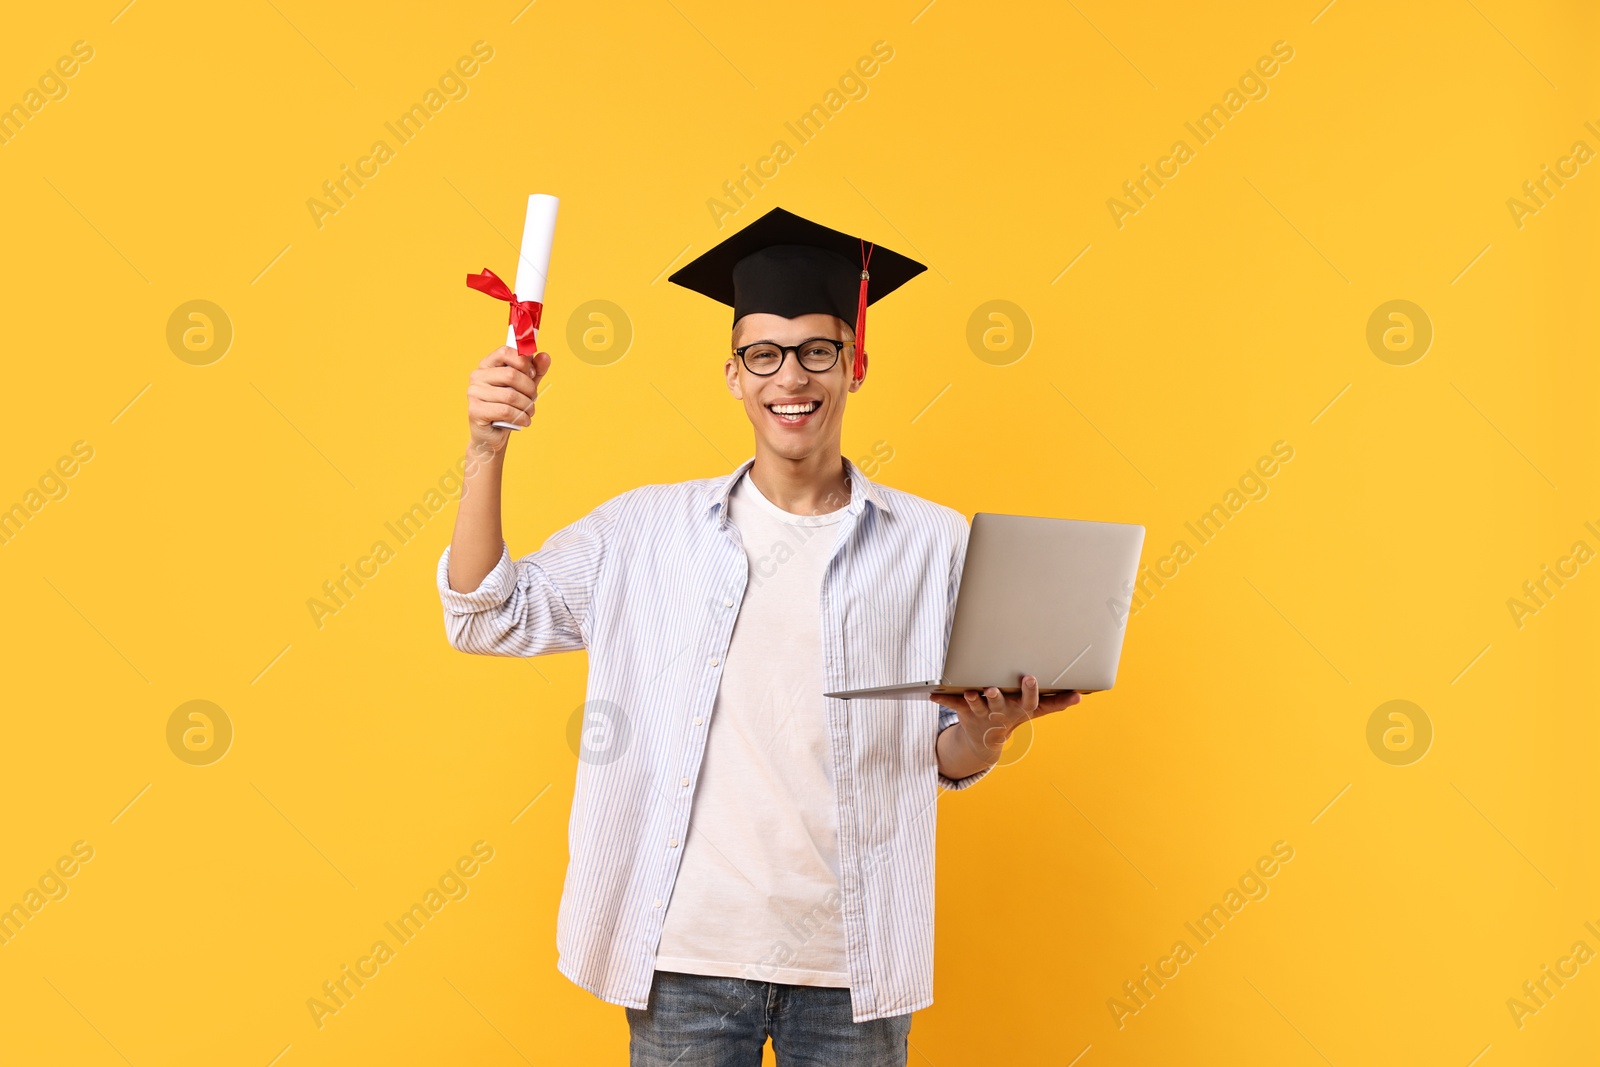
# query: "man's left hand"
988, 716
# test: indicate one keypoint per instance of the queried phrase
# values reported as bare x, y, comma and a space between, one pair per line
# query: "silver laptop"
1047, 597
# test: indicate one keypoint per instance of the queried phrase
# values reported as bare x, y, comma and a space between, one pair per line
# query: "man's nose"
792, 373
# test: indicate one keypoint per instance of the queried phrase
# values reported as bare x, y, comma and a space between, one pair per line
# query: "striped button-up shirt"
650, 583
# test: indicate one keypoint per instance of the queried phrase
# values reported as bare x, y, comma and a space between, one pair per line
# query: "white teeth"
794, 409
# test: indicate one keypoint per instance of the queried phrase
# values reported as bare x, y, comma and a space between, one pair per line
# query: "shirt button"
683, 781
658, 903
713, 661
673, 843
697, 720
727, 603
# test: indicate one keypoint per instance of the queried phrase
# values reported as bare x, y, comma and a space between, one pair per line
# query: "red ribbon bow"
524, 313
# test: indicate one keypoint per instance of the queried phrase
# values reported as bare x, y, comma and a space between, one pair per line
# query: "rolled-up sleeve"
533, 605
948, 716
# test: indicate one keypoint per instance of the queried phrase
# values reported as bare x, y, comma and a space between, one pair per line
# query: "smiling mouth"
794, 413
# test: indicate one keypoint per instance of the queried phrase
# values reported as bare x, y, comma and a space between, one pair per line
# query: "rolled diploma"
533, 263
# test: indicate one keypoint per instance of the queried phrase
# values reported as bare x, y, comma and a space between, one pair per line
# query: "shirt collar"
862, 491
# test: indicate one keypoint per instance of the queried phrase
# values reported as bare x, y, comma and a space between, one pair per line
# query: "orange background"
1136, 375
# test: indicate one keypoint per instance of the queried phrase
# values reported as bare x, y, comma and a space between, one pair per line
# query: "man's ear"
731, 369
847, 330
856, 383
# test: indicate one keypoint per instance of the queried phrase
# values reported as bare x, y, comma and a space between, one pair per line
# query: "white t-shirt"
757, 893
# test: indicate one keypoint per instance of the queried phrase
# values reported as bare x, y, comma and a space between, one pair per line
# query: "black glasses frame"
785, 350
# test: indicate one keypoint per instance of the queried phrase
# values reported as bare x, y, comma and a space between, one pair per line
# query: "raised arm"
502, 388
493, 605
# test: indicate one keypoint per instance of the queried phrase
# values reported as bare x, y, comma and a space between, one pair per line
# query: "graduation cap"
782, 264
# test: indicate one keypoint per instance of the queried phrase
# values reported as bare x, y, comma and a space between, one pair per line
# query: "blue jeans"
699, 1020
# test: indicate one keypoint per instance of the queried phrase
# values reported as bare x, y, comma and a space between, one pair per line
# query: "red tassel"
861, 313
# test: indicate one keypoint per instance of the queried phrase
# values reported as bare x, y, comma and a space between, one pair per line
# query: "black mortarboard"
782, 264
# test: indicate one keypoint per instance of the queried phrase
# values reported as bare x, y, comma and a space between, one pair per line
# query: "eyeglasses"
816, 355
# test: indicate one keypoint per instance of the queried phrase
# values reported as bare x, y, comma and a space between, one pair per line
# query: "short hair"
849, 329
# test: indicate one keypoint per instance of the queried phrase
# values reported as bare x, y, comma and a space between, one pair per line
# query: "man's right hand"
503, 389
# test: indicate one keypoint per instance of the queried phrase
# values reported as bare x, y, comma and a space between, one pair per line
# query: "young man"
748, 857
